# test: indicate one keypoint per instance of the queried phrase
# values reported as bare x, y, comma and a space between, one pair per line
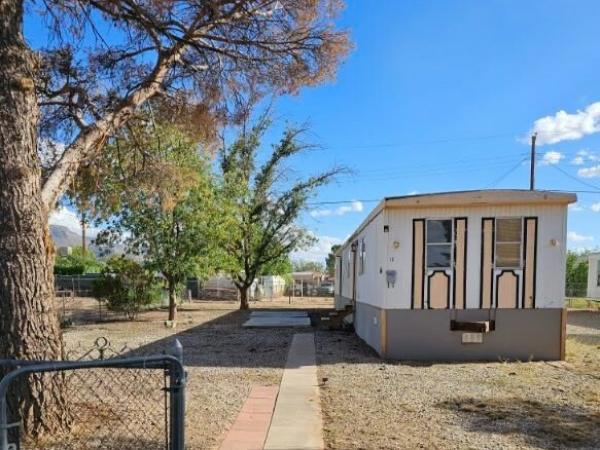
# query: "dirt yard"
223, 359
373, 404
369, 403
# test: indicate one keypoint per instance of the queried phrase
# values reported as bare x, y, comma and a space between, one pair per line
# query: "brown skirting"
519, 334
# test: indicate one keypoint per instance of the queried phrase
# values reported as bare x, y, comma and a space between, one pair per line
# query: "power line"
435, 141
446, 164
425, 172
341, 202
507, 173
585, 183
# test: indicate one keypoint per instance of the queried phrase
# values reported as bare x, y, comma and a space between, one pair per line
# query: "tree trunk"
28, 319
244, 297
172, 301
83, 241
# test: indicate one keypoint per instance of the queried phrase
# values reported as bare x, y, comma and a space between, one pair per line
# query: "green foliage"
77, 263
127, 287
260, 206
308, 266
330, 261
577, 273
282, 266
162, 210
141, 161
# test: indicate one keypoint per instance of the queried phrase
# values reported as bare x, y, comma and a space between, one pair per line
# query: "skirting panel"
368, 326
519, 334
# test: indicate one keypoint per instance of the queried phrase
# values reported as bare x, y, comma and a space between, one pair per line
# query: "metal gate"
117, 403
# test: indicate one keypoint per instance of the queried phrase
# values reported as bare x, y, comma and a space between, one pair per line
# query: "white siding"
368, 286
593, 290
372, 287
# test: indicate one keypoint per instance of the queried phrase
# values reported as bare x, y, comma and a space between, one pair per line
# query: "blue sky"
439, 95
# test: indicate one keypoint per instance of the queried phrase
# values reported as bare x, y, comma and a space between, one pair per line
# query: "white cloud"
354, 206
572, 236
595, 207
578, 161
552, 157
567, 127
575, 207
68, 218
318, 251
316, 213
589, 172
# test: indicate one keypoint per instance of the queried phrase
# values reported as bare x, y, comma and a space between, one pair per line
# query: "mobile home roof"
466, 198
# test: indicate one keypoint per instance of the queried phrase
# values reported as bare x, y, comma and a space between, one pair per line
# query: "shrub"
68, 269
77, 263
126, 287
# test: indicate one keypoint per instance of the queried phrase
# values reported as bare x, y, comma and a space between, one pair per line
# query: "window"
362, 256
598, 274
439, 243
509, 235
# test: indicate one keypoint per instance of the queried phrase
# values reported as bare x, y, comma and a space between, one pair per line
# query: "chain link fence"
577, 296
100, 399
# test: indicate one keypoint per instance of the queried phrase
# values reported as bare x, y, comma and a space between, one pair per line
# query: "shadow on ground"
223, 342
585, 318
536, 422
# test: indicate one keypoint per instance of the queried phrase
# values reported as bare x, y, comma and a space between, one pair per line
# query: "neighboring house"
222, 286
271, 286
307, 283
476, 275
593, 284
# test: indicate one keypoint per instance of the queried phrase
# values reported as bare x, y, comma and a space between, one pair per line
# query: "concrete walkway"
249, 430
297, 422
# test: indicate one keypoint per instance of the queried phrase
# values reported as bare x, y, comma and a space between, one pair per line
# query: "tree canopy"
576, 273
308, 266
330, 261
261, 206
158, 204
108, 58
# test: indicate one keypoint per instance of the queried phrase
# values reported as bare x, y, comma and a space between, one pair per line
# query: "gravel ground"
369, 403
223, 359
373, 404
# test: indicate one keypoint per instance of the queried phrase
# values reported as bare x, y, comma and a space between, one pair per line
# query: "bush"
126, 287
68, 269
77, 263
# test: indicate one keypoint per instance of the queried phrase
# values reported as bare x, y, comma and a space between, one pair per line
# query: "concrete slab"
260, 319
297, 422
250, 428
278, 314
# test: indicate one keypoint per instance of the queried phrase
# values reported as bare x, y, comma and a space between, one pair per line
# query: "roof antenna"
532, 171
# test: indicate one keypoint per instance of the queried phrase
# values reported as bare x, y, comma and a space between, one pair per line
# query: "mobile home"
475, 275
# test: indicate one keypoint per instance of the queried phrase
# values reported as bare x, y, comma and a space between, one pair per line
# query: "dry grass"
223, 359
369, 403
373, 404
583, 303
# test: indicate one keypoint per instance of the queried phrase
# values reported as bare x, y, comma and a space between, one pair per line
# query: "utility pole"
532, 173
